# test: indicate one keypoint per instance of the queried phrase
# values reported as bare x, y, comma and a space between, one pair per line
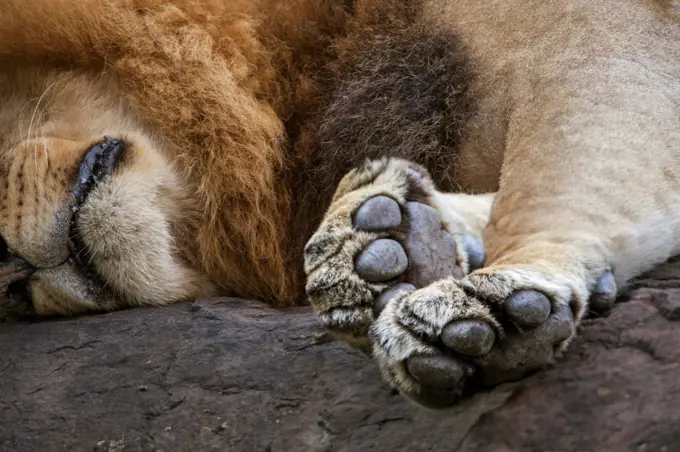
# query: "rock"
233, 375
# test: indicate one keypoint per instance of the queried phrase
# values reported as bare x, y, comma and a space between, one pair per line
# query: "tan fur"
217, 99
588, 174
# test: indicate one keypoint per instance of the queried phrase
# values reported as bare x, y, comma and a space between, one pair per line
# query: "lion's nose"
14, 275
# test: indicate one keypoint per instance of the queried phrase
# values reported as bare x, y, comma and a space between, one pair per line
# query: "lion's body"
242, 116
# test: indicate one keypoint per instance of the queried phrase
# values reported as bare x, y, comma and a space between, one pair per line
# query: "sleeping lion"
452, 184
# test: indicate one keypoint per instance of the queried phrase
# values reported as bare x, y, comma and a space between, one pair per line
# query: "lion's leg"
589, 187
389, 231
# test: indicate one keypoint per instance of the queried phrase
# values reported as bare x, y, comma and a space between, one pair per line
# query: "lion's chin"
67, 289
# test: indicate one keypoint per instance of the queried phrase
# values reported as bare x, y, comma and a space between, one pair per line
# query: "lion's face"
88, 199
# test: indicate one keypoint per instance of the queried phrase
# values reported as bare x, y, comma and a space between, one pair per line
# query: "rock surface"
231, 375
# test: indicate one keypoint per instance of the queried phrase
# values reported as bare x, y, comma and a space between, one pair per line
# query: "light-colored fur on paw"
412, 324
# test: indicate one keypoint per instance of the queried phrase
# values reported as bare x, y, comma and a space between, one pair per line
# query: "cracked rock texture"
232, 375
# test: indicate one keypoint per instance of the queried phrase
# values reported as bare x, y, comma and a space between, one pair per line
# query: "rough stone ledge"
234, 375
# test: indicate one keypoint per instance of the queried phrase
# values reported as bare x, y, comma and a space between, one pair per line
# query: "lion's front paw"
437, 344
380, 237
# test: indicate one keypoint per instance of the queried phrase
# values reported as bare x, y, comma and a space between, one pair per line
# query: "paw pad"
469, 337
440, 372
432, 249
528, 308
475, 251
442, 377
604, 293
380, 212
388, 295
382, 260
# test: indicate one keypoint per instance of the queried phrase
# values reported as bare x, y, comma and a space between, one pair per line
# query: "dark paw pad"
388, 295
474, 249
603, 296
378, 213
528, 308
432, 250
381, 261
441, 377
469, 337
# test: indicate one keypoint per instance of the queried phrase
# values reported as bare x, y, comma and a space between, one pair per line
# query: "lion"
452, 185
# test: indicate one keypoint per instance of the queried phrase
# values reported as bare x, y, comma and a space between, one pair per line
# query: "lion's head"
144, 148
92, 212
